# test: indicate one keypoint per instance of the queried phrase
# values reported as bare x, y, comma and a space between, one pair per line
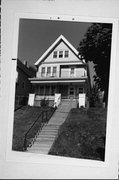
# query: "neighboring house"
61, 70
23, 85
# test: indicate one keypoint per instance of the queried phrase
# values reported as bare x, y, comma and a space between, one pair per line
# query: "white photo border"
36, 158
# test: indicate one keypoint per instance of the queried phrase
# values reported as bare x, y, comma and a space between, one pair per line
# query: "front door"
63, 89
71, 92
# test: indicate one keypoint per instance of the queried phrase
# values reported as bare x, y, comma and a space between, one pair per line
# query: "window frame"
54, 73
49, 73
60, 54
65, 54
43, 73
72, 74
55, 55
79, 92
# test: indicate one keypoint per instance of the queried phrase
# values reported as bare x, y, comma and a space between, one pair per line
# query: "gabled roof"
50, 49
25, 69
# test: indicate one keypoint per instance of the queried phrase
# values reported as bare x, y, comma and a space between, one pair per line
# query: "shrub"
44, 102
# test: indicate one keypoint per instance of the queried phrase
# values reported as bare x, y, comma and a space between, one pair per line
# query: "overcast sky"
35, 36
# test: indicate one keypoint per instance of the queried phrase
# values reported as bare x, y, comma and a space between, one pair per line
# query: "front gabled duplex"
61, 70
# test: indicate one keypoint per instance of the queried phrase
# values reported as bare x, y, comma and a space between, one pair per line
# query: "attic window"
55, 54
66, 53
60, 54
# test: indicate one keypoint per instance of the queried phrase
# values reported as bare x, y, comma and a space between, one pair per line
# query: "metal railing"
36, 127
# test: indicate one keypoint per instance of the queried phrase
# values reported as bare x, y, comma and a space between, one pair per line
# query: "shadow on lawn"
82, 135
24, 119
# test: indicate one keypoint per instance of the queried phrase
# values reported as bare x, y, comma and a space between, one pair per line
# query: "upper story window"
48, 71
54, 71
55, 54
66, 54
43, 71
60, 54
72, 71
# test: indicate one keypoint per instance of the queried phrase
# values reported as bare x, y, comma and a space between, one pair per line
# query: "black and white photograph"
61, 88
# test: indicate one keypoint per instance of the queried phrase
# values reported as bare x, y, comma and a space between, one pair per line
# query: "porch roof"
57, 80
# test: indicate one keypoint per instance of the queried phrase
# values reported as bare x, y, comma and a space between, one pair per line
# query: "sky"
35, 37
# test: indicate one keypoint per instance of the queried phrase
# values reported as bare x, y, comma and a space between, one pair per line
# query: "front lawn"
82, 135
23, 120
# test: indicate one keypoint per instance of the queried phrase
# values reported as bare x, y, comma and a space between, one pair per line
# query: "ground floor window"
80, 90
53, 90
41, 90
72, 91
47, 90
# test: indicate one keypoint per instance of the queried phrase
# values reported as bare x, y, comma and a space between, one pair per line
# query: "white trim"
64, 81
61, 37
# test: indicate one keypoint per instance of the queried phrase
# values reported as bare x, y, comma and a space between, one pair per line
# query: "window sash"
60, 54
55, 54
43, 71
48, 71
66, 54
81, 90
54, 71
72, 71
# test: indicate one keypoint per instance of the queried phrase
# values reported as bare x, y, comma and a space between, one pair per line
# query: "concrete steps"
47, 136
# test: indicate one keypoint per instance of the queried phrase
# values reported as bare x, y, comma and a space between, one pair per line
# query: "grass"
23, 119
82, 135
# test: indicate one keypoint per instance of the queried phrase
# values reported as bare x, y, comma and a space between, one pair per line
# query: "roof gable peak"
61, 37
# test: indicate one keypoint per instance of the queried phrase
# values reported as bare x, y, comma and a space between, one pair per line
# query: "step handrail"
25, 137
42, 121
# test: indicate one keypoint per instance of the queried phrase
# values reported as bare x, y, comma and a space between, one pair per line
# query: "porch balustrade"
62, 74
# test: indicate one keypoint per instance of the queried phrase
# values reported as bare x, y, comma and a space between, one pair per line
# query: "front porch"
67, 91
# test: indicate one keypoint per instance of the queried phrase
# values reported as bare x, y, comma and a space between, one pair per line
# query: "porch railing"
36, 127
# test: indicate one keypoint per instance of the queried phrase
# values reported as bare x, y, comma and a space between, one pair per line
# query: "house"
23, 85
61, 70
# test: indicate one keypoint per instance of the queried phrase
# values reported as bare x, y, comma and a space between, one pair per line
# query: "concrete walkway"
49, 132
